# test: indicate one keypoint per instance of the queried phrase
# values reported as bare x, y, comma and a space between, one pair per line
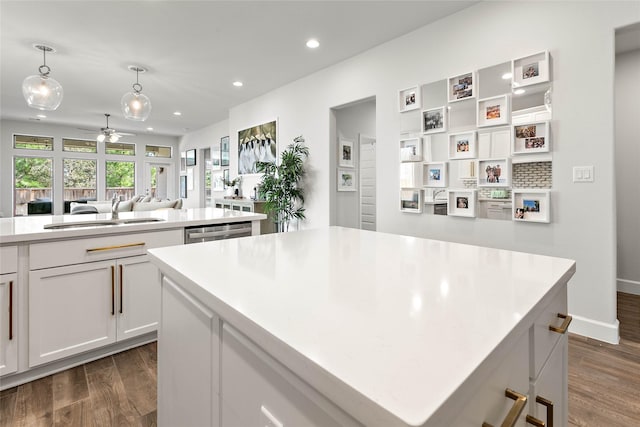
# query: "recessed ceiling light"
313, 43
41, 116
177, 113
149, 129
519, 91
238, 83
507, 76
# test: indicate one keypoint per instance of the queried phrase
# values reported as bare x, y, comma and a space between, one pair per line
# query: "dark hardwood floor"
120, 390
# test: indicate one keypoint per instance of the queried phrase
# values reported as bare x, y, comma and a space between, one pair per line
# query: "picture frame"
257, 144
463, 145
434, 120
224, 151
409, 99
435, 174
462, 202
411, 200
346, 154
494, 111
411, 150
183, 162
411, 175
183, 186
216, 181
494, 172
530, 70
191, 158
531, 205
225, 178
530, 138
347, 180
461, 87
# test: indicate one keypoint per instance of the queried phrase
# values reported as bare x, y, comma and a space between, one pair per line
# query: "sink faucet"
115, 202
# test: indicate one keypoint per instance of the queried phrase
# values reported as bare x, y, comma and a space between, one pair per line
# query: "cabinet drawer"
544, 339
76, 251
8, 259
259, 390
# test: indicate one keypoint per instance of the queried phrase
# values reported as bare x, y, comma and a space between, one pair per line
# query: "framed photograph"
435, 174
434, 120
345, 153
183, 162
183, 186
463, 145
347, 180
257, 144
216, 181
530, 138
461, 202
494, 172
531, 205
224, 151
411, 200
411, 150
191, 157
530, 70
494, 111
225, 178
409, 99
462, 87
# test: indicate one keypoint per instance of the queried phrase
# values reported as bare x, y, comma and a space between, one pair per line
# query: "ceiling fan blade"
126, 134
87, 130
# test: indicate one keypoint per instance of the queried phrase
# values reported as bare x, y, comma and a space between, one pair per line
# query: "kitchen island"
75, 288
340, 326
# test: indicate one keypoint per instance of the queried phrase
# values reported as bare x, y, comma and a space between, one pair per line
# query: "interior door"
367, 182
157, 177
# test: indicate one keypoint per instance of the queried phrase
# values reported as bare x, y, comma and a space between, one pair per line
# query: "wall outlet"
267, 419
583, 174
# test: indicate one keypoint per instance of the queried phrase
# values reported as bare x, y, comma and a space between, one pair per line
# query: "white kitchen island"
339, 326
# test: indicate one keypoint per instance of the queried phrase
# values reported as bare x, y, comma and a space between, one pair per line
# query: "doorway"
157, 180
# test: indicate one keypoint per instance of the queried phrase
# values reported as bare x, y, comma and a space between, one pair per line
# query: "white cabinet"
549, 401
139, 297
8, 326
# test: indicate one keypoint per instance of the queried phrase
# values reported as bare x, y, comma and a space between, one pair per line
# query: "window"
157, 151
79, 181
122, 148
79, 145
33, 185
33, 142
120, 179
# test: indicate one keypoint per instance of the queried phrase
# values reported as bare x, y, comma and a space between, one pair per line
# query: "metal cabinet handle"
520, 401
120, 288
534, 421
201, 235
10, 310
113, 290
549, 405
565, 324
110, 248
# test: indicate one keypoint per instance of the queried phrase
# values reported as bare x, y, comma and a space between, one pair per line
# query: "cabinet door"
550, 388
8, 327
138, 297
71, 310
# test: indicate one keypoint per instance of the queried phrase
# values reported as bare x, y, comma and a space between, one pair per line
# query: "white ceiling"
193, 50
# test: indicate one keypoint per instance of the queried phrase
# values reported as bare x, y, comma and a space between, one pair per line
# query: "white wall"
10, 127
351, 121
207, 137
580, 38
627, 113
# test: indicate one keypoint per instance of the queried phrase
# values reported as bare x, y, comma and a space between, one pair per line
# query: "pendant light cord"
44, 66
137, 87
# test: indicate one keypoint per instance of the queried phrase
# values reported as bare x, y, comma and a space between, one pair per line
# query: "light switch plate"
583, 174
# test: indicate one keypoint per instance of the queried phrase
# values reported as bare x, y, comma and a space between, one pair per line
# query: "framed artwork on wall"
409, 99
530, 205
461, 203
411, 150
434, 120
183, 186
462, 145
191, 157
257, 144
530, 70
216, 181
411, 200
530, 138
224, 151
435, 174
462, 87
345, 153
347, 180
494, 173
494, 111
183, 162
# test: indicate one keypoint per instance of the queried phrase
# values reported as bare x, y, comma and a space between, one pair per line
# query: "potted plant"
279, 186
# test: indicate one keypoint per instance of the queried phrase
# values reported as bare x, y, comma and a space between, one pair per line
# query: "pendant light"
41, 91
135, 105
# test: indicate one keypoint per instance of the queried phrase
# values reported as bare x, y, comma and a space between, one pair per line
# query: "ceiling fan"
109, 134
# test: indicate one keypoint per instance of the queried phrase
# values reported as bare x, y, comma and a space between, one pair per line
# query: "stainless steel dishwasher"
208, 233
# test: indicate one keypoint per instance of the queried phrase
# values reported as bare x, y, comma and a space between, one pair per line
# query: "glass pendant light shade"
135, 106
41, 91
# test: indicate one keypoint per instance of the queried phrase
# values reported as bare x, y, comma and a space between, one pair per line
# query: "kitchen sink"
98, 223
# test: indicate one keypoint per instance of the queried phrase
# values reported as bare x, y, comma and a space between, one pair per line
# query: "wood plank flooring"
120, 390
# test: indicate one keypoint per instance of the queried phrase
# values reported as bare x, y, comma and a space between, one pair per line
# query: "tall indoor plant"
280, 184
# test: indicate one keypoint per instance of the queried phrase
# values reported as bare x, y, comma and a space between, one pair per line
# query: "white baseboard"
628, 286
607, 332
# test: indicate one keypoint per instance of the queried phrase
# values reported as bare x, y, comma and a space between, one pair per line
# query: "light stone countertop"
31, 228
379, 323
